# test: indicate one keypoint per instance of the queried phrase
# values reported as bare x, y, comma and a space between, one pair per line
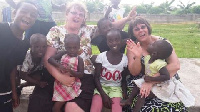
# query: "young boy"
114, 12
13, 50
33, 62
104, 26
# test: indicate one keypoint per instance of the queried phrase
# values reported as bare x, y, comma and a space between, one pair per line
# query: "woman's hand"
134, 50
145, 89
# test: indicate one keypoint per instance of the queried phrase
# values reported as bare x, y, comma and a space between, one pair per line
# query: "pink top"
65, 93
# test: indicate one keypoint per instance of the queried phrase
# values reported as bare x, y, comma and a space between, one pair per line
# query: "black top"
12, 53
101, 42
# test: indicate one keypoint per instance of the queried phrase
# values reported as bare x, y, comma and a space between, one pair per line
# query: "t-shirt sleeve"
26, 64
99, 58
160, 64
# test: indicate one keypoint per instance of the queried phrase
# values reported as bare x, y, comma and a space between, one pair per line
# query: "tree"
166, 7
196, 9
145, 8
185, 9
94, 5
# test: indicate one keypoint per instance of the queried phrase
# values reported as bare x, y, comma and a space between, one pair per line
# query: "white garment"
116, 14
111, 74
171, 91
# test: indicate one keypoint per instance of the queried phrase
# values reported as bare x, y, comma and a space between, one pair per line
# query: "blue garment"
6, 14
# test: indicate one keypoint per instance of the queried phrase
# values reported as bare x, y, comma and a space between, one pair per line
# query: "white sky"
156, 2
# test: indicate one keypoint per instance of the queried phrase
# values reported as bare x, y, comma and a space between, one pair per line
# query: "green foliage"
94, 6
166, 7
185, 9
196, 9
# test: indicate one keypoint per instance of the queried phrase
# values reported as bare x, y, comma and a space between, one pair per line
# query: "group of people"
67, 77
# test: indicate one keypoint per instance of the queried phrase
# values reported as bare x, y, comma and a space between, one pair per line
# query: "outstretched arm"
119, 24
11, 3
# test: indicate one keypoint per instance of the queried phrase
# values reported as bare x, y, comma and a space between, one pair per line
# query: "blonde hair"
77, 5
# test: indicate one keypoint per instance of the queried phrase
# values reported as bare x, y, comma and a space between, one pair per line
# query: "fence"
60, 17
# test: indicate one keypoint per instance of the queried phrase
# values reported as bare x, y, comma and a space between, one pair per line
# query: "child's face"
115, 2
114, 41
105, 27
39, 48
72, 47
152, 48
25, 16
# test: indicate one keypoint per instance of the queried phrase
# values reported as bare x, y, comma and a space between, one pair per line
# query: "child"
113, 12
168, 90
104, 25
72, 63
109, 72
13, 50
33, 62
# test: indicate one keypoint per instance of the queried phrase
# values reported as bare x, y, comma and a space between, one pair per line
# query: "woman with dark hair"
141, 30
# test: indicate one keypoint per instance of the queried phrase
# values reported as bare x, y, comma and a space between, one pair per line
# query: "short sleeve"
55, 37
160, 64
27, 64
99, 58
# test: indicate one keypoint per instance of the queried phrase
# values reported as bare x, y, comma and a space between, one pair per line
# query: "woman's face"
75, 17
141, 32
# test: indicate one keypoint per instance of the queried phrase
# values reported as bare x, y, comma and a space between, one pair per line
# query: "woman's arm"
173, 64
64, 79
134, 52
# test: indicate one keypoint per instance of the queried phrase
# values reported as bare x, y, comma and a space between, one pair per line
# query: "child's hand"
15, 99
43, 84
62, 69
109, 9
147, 78
125, 96
107, 102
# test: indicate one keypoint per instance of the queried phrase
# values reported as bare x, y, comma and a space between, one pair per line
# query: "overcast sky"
156, 2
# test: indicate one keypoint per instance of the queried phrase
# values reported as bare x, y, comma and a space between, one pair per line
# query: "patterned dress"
62, 92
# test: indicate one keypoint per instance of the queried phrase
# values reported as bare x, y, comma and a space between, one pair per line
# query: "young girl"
168, 90
72, 63
31, 68
109, 72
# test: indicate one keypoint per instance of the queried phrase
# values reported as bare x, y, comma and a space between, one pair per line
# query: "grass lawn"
185, 38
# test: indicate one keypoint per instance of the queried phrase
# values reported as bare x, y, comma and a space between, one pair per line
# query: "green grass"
185, 38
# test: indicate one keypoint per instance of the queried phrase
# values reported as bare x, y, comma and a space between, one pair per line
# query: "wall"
58, 16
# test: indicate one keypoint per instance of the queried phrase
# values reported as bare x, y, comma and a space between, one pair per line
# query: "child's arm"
58, 56
109, 9
164, 75
124, 83
25, 76
79, 73
107, 102
13, 86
